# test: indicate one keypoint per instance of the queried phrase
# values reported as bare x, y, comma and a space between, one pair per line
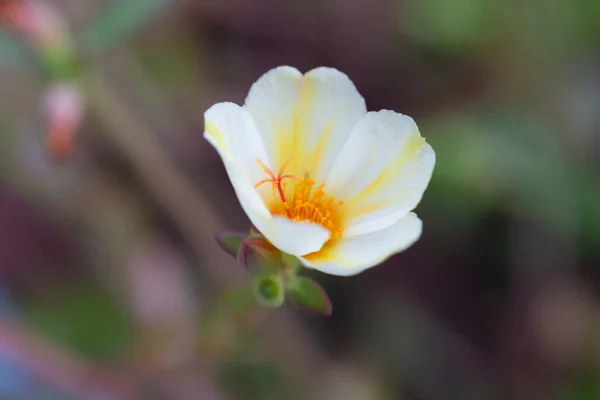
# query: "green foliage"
83, 318
61, 64
585, 386
119, 20
448, 24
588, 195
256, 381
275, 273
513, 164
309, 296
588, 16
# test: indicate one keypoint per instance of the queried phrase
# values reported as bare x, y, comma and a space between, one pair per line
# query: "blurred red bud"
12, 12
38, 21
62, 106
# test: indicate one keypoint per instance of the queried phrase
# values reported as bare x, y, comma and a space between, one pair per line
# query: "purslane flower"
319, 177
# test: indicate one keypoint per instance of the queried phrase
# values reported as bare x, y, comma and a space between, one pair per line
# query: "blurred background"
111, 286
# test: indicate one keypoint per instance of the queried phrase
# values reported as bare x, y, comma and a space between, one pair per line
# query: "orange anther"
307, 202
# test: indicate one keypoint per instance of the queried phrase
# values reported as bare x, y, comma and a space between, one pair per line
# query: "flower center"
304, 202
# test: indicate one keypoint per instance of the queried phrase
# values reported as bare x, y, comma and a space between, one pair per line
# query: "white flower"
319, 176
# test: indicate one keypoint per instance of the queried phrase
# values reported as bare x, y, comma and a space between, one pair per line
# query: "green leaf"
268, 290
263, 381
309, 296
119, 20
585, 385
449, 25
61, 64
230, 241
83, 318
14, 53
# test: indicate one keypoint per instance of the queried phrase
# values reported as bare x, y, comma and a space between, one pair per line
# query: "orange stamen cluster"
307, 202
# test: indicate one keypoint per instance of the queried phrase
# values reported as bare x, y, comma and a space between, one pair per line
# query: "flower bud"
62, 106
39, 22
259, 256
268, 290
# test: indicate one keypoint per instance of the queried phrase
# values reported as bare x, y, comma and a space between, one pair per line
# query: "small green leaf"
118, 20
83, 318
230, 241
268, 290
309, 296
61, 64
256, 380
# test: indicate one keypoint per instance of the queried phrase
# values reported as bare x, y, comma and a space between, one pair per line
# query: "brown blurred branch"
67, 372
183, 202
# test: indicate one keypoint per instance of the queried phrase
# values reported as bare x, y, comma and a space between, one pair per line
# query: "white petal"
305, 118
230, 129
352, 255
382, 171
295, 238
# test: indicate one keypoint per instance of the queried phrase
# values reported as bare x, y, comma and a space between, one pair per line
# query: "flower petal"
305, 118
230, 129
352, 255
295, 238
382, 171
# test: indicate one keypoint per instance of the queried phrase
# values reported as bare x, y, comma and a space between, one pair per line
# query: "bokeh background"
111, 286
